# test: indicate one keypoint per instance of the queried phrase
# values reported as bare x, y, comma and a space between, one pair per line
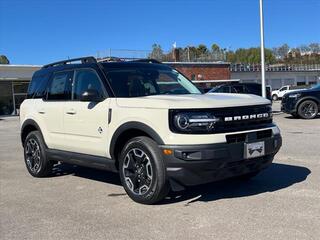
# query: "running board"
81, 159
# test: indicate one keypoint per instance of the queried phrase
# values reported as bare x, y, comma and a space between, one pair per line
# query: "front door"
86, 123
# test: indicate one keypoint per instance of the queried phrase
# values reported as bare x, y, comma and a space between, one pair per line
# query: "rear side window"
60, 86
223, 89
254, 89
37, 86
237, 89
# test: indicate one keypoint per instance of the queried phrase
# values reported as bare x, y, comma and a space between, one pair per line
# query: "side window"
84, 80
237, 89
37, 86
60, 86
223, 89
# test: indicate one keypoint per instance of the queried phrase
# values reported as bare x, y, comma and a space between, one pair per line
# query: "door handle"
41, 111
71, 112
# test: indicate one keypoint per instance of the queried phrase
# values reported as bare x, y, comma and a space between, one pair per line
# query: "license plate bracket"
254, 150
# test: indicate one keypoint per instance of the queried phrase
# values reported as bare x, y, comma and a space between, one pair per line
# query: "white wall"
278, 79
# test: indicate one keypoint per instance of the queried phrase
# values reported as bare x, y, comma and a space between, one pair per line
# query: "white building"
14, 80
278, 76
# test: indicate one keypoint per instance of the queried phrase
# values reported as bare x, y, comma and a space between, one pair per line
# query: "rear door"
86, 123
50, 108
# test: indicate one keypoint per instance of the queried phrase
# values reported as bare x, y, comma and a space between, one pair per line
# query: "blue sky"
41, 31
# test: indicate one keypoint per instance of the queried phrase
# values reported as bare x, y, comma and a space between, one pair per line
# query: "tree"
283, 50
4, 59
215, 48
217, 52
304, 48
202, 49
314, 47
157, 52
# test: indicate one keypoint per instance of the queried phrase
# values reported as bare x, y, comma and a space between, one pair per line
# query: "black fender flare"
305, 99
30, 122
137, 126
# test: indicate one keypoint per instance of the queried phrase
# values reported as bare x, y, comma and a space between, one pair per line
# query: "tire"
275, 97
308, 109
142, 171
248, 176
35, 157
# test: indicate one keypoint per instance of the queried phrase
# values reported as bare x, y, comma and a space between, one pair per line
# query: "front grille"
264, 134
236, 138
240, 125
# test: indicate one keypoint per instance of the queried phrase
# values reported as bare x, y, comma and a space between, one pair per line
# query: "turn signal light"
167, 151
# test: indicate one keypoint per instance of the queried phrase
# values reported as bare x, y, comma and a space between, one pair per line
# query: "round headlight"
182, 121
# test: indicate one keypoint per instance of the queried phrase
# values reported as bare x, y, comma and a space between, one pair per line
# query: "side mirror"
91, 95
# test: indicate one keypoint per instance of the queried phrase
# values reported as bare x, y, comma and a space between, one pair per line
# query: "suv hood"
212, 100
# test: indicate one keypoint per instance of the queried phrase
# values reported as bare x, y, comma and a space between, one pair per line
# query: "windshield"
317, 86
137, 82
214, 89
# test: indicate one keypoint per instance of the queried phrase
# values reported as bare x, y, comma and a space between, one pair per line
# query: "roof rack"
110, 59
82, 60
147, 60
119, 59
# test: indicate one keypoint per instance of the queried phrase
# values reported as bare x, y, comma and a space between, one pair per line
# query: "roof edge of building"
197, 63
19, 65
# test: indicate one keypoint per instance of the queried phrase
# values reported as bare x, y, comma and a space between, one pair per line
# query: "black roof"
91, 61
133, 64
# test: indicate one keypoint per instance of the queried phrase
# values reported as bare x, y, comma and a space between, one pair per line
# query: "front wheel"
308, 109
142, 171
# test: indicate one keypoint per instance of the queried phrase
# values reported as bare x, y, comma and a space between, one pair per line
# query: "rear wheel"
35, 157
142, 171
308, 109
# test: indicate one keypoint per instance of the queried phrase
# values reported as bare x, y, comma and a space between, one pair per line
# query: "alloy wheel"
309, 110
137, 171
33, 155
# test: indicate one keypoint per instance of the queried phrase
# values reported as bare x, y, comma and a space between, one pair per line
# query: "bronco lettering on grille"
247, 117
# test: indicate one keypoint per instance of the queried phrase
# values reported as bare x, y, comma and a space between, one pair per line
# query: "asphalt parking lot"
283, 202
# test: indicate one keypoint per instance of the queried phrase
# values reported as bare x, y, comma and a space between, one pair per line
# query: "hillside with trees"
284, 54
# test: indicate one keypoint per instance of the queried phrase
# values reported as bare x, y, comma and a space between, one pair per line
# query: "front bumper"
197, 164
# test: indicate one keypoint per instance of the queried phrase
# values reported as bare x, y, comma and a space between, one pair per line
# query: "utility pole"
263, 77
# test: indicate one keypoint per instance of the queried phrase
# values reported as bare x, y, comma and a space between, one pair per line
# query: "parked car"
303, 103
278, 94
246, 88
145, 121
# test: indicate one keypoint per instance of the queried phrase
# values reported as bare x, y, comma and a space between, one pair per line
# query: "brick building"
203, 70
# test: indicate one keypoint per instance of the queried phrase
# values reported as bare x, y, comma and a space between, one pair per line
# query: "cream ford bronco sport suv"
145, 121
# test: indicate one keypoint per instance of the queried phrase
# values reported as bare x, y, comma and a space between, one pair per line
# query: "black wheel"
35, 156
248, 176
142, 171
274, 97
308, 109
